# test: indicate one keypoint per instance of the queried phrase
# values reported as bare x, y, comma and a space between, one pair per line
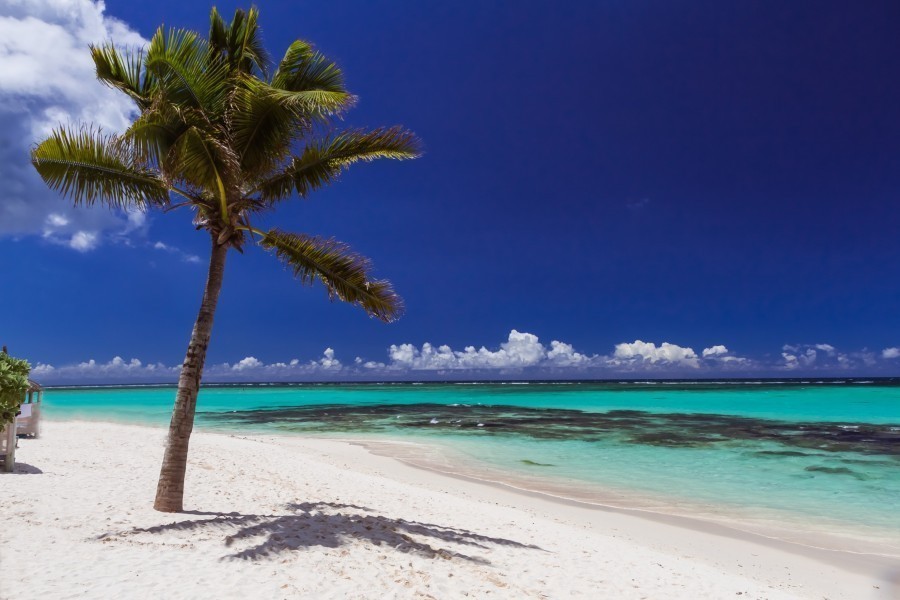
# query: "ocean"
810, 461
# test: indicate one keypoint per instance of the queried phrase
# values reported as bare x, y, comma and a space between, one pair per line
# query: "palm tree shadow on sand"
311, 524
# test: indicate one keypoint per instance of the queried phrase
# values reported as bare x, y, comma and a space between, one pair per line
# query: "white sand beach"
290, 517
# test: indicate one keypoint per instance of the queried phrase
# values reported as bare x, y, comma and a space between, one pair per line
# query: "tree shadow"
23, 469
311, 524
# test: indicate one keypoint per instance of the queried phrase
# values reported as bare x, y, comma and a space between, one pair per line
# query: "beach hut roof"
34, 386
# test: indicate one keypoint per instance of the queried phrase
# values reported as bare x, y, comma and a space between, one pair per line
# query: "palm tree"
216, 134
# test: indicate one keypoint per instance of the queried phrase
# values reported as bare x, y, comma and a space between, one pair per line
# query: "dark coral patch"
674, 430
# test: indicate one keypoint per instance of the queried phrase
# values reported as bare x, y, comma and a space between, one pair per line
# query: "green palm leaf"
322, 161
246, 49
91, 167
202, 161
218, 36
238, 44
302, 68
179, 61
158, 128
263, 127
344, 273
314, 103
123, 72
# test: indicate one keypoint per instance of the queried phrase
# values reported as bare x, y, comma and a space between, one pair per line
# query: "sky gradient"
721, 178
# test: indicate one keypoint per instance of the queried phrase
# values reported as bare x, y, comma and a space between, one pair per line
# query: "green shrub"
13, 385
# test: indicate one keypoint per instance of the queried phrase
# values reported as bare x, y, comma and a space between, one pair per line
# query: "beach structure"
8, 446
27, 422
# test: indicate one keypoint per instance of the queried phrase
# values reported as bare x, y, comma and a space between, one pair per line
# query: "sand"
287, 517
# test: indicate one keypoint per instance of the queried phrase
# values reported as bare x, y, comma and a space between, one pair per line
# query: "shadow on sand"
23, 469
312, 524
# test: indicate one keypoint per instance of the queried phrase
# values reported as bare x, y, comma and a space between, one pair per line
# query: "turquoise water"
819, 456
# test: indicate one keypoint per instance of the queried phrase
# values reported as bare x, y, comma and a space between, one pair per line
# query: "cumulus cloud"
793, 361
564, 355
721, 356
522, 354
328, 361
47, 79
715, 351
83, 241
251, 362
251, 368
116, 370
648, 352
825, 357
520, 350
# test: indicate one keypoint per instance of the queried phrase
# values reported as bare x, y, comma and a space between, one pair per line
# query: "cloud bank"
47, 78
521, 355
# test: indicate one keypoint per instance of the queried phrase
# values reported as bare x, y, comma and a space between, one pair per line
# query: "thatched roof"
34, 386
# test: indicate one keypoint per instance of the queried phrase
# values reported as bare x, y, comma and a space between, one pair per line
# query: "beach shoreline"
726, 521
259, 504
829, 537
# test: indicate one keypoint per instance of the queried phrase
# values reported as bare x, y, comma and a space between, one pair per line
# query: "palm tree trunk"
170, 490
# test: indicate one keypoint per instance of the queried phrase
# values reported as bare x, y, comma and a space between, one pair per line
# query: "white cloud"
251, 362
520, 350
83, 241
721, 356
48, 78
41, 369
251, 368
116, 370
824, 357
666, 353
186, 257
522, 354
136, 220
564, 355
715, 351
55, 220
794, 361
328, 361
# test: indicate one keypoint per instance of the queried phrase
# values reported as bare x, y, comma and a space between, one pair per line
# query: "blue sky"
609, 176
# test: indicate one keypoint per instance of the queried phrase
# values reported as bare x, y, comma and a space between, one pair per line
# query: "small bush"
13, 386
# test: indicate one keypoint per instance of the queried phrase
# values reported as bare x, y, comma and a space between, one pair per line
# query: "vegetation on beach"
13, 386
221, 136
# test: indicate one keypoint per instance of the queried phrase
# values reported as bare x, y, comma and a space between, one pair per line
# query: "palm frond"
322, 161
123, 71
315, 103
158, 128
90, 167
243, 43
265, 121
201, 161
263, 126
344, 273
302, 69
218, 35
179, 61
